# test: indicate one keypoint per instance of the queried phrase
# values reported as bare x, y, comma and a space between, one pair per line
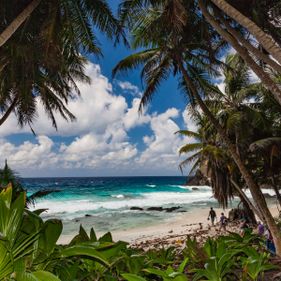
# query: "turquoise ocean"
105, 202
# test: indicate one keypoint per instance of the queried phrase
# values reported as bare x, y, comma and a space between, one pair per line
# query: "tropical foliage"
29, 251
45, 56
176, 40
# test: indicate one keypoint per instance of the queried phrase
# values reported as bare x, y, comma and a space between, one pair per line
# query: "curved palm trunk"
256, 52
276, 189
246, 199
254, 188
263, 38
9, 111
264, 77
250, 215
18, 21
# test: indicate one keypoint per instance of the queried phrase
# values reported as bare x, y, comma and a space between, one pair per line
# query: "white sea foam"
118, 196
146, 200
194, 187
70, 208
151, 185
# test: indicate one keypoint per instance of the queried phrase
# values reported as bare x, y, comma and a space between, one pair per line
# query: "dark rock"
172, 209
195, 188
76, 220
198, 179
87, 215
136, 208
159, 209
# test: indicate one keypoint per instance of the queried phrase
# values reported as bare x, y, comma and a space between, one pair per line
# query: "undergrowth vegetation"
29, 252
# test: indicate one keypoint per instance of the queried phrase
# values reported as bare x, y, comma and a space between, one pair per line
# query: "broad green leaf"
45, 276
156, 271
107, 237
132, 277
85, 251
50, 234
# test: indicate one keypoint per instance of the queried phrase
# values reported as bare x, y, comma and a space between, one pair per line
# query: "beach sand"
181, 225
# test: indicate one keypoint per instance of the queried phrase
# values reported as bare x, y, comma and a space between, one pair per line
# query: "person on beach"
269, 242
243, 227
223, 221
260, 229
212, 215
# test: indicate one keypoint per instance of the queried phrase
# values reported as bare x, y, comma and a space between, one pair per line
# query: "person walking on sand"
223, 222
212, 215
261, 229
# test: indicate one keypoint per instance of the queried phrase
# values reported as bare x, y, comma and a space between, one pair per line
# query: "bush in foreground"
29, 252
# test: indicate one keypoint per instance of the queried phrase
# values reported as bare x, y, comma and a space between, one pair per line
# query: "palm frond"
133, 61
264, 144
188, 133
190, 147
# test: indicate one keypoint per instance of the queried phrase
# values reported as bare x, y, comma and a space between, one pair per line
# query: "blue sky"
109, 137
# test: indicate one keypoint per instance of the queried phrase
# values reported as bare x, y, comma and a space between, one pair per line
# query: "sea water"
105, 202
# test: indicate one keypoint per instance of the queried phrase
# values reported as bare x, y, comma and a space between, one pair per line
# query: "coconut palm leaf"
265, 144
190, 147
133, 61
188, 133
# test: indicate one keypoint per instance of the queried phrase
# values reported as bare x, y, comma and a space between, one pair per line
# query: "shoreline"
182, 224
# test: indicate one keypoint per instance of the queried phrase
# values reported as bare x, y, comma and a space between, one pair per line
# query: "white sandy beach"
183, 223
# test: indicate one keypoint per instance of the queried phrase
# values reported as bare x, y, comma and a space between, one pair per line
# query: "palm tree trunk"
264, 77
263, 38
276, 189
256, 52
246, 199
18, 21
254, 188
249, 214
9, 111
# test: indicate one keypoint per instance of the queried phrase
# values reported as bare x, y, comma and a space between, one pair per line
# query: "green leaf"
85, 251
183, 265
107, 237
50, 234
93, 236
132, 277
156, 271
45, 275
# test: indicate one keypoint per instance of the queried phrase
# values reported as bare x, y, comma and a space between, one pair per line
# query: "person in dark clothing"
223, 222
212, 215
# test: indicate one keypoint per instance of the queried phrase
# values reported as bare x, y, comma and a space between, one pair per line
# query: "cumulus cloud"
101, 135
28, 154
129, 88
162, 146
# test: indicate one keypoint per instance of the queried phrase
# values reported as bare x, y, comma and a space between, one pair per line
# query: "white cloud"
189, 121
38, 155
163, 144
129, 88
95, 109
101, 133
133, 118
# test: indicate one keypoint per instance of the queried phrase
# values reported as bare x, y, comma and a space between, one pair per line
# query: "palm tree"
80, 14
18, 21
208, 153
243, 52
45, 57
175, 46
9, 177
249, 120
266, 41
